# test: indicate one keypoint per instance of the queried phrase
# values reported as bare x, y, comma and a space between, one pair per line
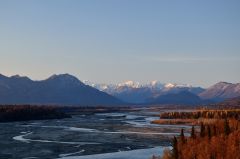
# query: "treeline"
209, 114
27, 112
220, 140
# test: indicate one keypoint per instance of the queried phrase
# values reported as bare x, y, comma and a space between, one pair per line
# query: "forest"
203, 113
9, 113
219, 139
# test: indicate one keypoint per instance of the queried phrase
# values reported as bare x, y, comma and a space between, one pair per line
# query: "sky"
110, 41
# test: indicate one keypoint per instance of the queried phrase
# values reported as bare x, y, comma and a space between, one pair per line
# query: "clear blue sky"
108, 41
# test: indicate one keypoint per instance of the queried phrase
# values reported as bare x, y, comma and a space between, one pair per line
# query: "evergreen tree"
193, 133
209, 132
202, 130
214, 131
175, 148
226, 127
182, 137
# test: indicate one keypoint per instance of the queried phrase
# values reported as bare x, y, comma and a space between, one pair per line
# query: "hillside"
181, 98
221, 91
61, 89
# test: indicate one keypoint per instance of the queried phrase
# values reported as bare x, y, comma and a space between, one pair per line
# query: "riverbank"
133, 154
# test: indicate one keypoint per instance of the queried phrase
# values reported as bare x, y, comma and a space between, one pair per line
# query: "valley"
99, 134
119, 79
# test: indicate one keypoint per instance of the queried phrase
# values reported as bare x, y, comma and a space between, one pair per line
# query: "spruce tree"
226, 127
202, 130
175, 148
209, 132
182, 137
214, 131
193, 133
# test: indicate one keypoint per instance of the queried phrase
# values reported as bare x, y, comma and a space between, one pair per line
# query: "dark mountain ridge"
63, 89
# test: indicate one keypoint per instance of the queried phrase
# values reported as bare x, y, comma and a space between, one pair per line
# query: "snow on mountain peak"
131, 84
154, 83
170, 85
87, 82
101, 87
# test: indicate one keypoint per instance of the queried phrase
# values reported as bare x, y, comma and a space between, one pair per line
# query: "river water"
114, 135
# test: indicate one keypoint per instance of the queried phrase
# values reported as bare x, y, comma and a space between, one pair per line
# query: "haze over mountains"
66, 89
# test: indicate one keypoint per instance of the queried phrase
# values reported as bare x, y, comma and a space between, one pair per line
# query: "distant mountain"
61, 89
134, 92
233, 102
65, 89
221, 91
181, 98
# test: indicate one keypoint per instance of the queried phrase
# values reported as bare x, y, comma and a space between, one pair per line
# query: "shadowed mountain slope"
61, 89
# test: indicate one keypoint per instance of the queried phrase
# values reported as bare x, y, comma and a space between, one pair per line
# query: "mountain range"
169, 93
65, 89
61, 89
134, 92
221, 91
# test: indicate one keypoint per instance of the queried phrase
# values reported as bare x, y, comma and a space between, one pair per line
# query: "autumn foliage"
216, 140
205, 113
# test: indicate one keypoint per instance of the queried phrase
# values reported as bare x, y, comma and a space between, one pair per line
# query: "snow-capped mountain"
135, 92
65, 89
130, 84
155, 85
102, 87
